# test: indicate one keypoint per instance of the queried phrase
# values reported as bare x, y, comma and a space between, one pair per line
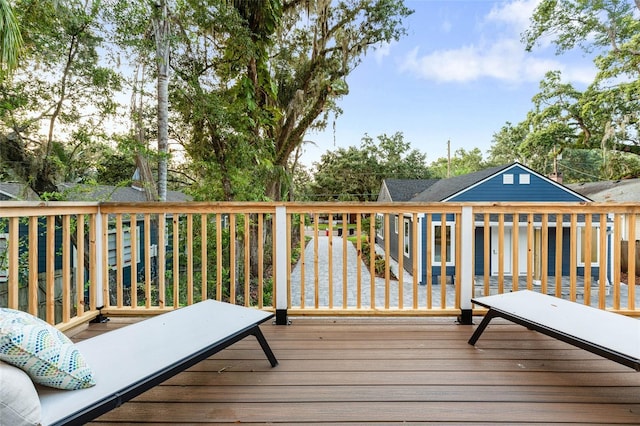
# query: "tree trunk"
161, 27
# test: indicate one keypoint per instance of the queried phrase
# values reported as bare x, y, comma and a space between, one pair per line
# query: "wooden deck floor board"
392, 371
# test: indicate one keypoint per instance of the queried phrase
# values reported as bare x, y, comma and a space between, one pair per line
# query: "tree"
162, 34
59, 87
355, 174
313, 58
505, 147
461, 163
10, 39
563, 133
607, 112
395, 158
281, 65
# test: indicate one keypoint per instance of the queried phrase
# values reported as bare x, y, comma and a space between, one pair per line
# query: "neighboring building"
400, 190
510, 183
83, 192
12, 191
613, 191
124, 194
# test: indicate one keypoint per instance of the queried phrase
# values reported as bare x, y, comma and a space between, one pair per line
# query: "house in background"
509, 183
618, 191
399, 190
13, 191
84, 192
613, 191
125, 194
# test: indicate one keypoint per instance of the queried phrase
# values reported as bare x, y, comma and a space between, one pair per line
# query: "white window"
4, 257
407, 236
380, 225
395, 224
126, 246
594, 249
525, 179
437, 244
507, 179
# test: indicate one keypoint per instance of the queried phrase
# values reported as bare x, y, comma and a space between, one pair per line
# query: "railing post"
99, 265
466, 266
281, 265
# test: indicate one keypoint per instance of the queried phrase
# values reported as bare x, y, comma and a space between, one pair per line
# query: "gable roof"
11, 191
403, 189
83, 192
487, 185
445, 188
626, 190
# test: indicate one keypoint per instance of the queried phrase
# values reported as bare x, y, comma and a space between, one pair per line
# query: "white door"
508, 251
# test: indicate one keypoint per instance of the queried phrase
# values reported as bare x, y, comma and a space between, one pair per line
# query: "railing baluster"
372, 259
50, 270
33, 265
14, 265
66, 268
203, 257
189, 249
176, 260
631, 263
219, 256
344, 261
133, 287
260, 260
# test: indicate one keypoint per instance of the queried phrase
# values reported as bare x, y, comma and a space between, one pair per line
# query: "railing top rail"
42, 208
196, 207
39, 208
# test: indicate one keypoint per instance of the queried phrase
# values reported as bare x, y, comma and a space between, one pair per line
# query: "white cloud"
498, 54
381, 51
503, 60
515, 14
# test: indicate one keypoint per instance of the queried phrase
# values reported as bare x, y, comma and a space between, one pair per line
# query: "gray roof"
627, 190
405, 189
444, 188
12, 191
82, 192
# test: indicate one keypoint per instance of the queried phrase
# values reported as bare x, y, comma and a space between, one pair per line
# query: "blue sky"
460, 74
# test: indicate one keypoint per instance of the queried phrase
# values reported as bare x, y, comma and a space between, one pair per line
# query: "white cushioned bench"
132, 359
608, 334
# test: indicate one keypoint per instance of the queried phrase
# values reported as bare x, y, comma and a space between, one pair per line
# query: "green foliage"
605, 115
60, 86
461, 163
10, 39
355, 174
594, 129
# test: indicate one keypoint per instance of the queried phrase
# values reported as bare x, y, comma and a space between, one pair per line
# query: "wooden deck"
364, 371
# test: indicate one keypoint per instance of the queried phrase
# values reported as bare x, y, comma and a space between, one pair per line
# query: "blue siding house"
81, 192
509, 183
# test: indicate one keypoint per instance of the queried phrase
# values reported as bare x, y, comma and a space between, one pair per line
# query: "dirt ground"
625, 278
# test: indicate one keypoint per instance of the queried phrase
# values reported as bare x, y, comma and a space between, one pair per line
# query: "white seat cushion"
19, 403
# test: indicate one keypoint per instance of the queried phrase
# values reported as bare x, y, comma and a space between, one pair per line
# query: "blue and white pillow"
42, 351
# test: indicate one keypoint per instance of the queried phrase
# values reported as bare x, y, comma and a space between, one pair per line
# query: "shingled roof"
81, 192
445, 188
11, 191
626, 190
403, 189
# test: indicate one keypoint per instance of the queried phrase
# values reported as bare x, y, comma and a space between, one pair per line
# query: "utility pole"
448, 158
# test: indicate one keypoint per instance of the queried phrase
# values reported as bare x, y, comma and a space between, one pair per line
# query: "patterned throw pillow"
42, 351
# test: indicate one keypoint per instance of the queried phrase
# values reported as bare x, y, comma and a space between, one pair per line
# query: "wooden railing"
71, 262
